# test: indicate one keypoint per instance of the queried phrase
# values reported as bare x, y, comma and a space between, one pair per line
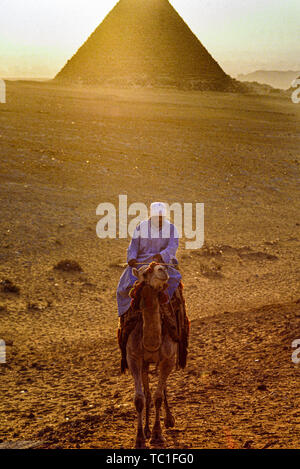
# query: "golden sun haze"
37, 38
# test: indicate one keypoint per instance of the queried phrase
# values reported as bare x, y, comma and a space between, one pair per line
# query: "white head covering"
158, 209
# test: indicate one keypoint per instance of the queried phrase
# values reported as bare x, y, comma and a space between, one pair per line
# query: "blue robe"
144, 245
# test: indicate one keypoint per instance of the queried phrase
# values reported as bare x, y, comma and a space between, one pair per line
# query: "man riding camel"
154, 240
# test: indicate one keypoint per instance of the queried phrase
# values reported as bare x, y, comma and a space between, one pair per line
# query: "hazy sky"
37, 37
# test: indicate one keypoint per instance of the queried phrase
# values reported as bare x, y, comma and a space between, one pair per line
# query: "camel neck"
151, 329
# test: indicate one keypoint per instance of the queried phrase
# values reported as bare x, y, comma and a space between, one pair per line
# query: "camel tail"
183, 352
122, 345
124, 365
183, 345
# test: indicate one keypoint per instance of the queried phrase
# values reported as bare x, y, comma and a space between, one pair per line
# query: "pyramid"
146, 43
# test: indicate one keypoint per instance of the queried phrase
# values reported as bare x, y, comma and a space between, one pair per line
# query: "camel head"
149, 290
155, 275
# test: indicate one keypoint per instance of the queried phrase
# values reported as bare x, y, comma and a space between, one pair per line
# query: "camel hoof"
147, 433
140, 444
157, 439
169, 421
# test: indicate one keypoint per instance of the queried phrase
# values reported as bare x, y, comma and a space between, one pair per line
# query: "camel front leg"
148, 399
169, 419
139, 399
165, 367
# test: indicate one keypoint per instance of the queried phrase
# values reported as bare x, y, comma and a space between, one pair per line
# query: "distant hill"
273, 78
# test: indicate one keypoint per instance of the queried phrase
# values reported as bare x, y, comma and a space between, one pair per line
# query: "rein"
149, 263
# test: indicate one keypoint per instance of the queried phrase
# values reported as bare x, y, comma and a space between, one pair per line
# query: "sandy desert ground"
64, 151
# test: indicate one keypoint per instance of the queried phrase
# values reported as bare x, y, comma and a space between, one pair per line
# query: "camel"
148, 344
